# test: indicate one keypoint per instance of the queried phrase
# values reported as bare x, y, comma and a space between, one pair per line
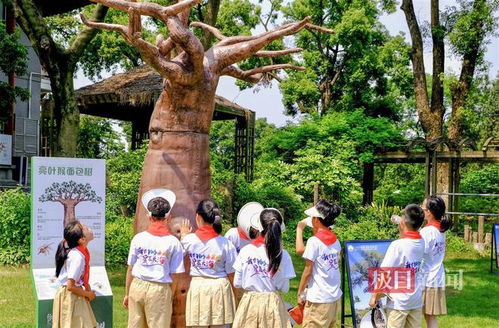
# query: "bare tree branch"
149, 52
319, 28
213, 30
150, 9
228, 55
256, 74
277, 53
182, 36
165, 46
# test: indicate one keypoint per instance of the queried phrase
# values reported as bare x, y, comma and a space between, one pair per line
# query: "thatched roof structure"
53, 7
131, 95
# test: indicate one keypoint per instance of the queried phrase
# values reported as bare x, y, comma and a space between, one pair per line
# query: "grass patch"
474, 306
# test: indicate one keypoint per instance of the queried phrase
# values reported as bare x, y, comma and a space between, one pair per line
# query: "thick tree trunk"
66, 112
178, 159
69, 212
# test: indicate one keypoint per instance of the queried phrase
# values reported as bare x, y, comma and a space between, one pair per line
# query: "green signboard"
65, 189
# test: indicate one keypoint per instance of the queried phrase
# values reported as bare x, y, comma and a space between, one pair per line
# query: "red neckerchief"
242, 235
412, 235
326, 236
434, 223
157, 228
258, 241
86, 273
206, 233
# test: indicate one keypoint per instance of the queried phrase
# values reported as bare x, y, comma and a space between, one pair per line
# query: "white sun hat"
257, 224
313, 212
249, 210
160, 192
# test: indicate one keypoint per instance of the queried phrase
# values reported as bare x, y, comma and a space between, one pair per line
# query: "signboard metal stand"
343, 278
494, 262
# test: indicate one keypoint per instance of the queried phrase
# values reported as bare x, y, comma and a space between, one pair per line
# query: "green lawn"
476, 305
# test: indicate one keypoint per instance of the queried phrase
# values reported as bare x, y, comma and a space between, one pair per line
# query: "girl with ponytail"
433, 235
72, 267
263, 270
210, 299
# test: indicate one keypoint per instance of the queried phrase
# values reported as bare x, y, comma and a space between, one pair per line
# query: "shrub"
15, 212
456, 244
124, 172
119, 233
371, 223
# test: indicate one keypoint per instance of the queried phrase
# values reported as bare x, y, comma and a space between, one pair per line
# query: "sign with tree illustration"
69, 194
63, 190
360, 256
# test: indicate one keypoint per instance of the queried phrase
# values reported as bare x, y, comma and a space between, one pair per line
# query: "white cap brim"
245, 214
160, 192
313, 212
308, 220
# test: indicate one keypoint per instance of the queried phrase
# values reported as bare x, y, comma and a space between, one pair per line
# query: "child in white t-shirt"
434, 239
154, 260
210, 299
321, 275
263, 269
404, 307
71, 306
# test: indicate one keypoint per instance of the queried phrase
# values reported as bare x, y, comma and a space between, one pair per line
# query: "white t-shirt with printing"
406, 253
252, 271
73, 268
433, 260
325, 281
233, 236
213, 258
155, 258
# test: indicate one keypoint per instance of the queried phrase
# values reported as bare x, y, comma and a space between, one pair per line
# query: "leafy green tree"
465, 28
59, 57
13, 58
98, 138
360, 66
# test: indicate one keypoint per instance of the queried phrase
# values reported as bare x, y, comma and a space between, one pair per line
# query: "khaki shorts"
404, 318
434, 301
320, 315
149, 304
72, 311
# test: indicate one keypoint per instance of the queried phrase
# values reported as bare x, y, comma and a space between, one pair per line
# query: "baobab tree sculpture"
178, 156
69, 194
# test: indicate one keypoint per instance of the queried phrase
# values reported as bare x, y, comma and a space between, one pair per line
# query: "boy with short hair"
321, 273
155, 258
404, 307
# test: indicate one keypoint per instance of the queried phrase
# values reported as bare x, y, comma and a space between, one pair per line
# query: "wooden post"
475, 237
316, 193
368, 183
466, 233
481, 221
488, 239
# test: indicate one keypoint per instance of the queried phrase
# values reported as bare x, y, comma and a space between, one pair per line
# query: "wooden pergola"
432, 153
131, 96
